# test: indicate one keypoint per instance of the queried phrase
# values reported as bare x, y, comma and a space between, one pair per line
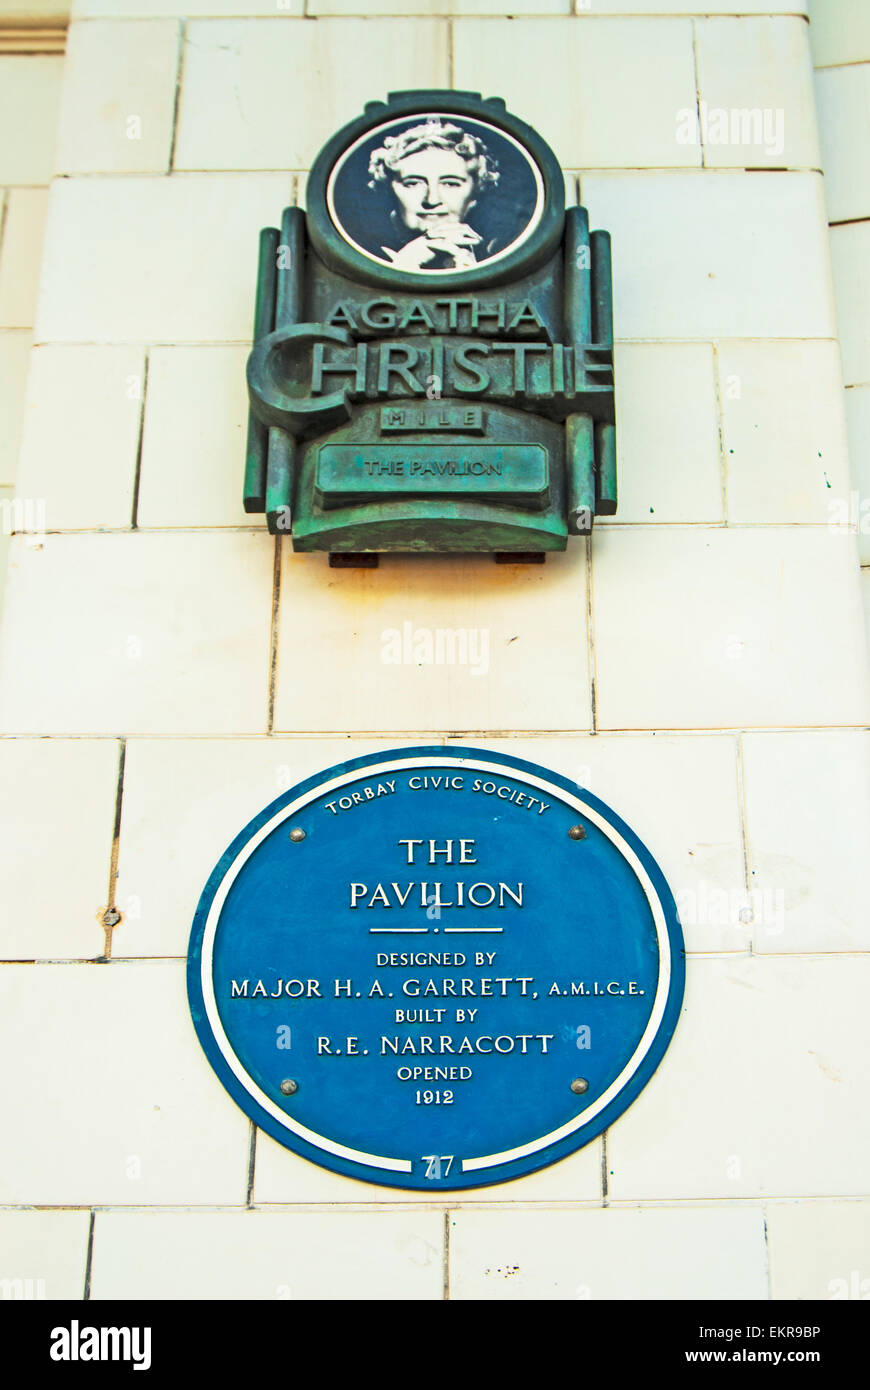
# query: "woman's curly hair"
439, 135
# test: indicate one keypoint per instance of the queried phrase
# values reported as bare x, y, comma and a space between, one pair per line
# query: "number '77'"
433, 1165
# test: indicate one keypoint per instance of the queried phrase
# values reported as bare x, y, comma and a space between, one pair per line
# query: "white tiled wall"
621, 82
29, 94
190, 457
238, 111
858, 424
298, 1256
807, 823
609, 1254
668, 445
29, 97
759, 1095
48, 786
699, 665
112, 1103
843, 97
139, 633
840, 31
751, 64
154, 260
702, 253
528, 675
819, 1251
46, 1251
83, 413
700, 628
840, 41
119, 98
786, 453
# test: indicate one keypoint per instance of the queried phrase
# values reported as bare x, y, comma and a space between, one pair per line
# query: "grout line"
849, 221
179, 78
741, 953
445, 1287
24, 187
767, 1273
451, 55
720, 434
743, 821
698, 93
844, 63
4, 213
252, 1160
530, 17
116, 840
206, 171
89, 1258
273, 638
605, 1199
752, 1201
609, 523
629, 340
412, 737
590, 641
140, 440
254, 170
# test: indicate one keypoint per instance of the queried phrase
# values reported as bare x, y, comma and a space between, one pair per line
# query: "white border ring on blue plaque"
436, 968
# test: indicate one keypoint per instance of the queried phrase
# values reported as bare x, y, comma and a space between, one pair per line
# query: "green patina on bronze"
400, 410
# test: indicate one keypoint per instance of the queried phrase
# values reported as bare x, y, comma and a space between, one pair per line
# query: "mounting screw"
289, 1088
297, 834
111, 917
579, 1086
577, 832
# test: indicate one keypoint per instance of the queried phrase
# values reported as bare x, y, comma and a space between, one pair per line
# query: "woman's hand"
453, 239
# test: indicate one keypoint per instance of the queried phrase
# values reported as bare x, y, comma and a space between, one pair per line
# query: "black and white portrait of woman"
435, 193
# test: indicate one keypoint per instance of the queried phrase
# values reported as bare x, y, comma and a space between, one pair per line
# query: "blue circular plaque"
435, 968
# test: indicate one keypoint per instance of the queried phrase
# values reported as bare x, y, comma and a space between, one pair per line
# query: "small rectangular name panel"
462, 419
512, 473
